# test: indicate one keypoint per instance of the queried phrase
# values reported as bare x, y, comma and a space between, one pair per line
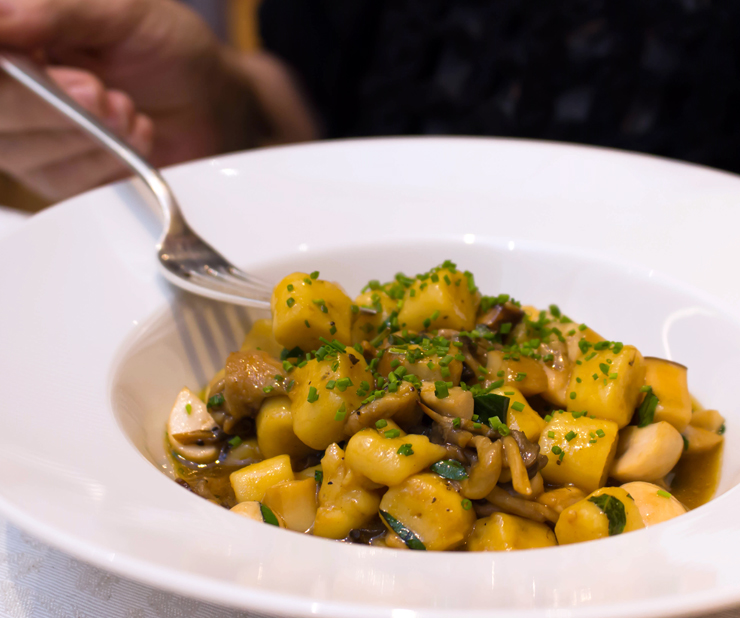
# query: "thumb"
32, 24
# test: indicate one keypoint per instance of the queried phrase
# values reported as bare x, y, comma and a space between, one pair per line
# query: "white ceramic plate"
95, 345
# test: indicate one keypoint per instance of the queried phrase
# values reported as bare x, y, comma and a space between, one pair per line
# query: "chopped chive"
391, 433
405, 450
520, 377
216, 400
331, 384
572, 395
318, 476
664, 494
582, 327
313, 395
290, 287
314, 275
550, 434
518, 406
466, 504
290, 302
341, 413
600, 433
235, 441
556, 450
188, 408
381, 423
570, 435
441, 390
268, 389
505, 328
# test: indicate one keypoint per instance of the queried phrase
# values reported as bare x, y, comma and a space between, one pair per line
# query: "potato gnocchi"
425, 415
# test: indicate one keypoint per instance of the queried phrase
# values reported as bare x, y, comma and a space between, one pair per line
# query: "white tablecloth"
37, 581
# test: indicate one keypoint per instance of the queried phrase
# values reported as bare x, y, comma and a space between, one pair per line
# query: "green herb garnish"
450, 469
268, 516
614, 511
646, 411
407, 536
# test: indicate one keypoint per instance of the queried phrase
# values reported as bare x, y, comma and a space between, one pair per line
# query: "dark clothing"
657, 76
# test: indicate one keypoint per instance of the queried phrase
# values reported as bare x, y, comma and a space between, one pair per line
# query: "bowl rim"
286, 604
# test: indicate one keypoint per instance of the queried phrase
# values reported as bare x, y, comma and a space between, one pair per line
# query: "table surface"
38, 581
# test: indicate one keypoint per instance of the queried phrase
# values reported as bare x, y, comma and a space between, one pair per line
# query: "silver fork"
186, 259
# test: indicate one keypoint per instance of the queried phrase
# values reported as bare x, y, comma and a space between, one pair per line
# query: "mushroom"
485, 472
253, 510
561, 498
654, 503
457, 404
647, 453
400, 405
246, 376
700, 440
501, 314
188, 425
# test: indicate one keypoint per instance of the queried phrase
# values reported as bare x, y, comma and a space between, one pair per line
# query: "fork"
186, 260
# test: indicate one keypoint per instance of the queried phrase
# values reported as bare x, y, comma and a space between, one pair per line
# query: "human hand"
40, 148
186, 96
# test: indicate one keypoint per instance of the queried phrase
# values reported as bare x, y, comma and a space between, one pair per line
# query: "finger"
24, 111
23, 152
142, 135
29, 24
71, 176
121, 112
66, 177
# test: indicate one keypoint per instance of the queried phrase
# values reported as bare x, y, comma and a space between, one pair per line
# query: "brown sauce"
697, 476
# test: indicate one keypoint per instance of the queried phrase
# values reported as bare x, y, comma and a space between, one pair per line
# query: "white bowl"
96, 345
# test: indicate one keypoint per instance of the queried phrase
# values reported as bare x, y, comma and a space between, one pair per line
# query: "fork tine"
242, 283
251, 279
236, 292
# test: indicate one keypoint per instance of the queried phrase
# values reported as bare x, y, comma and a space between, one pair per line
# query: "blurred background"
653, 76
234, 21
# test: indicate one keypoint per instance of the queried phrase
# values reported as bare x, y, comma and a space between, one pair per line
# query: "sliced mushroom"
485, 472
401, 403
700, 440
654, 503
189, 417
501, 314
647, 453
561, 498
457, 404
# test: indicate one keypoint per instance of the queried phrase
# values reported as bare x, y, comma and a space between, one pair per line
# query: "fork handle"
27, 73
